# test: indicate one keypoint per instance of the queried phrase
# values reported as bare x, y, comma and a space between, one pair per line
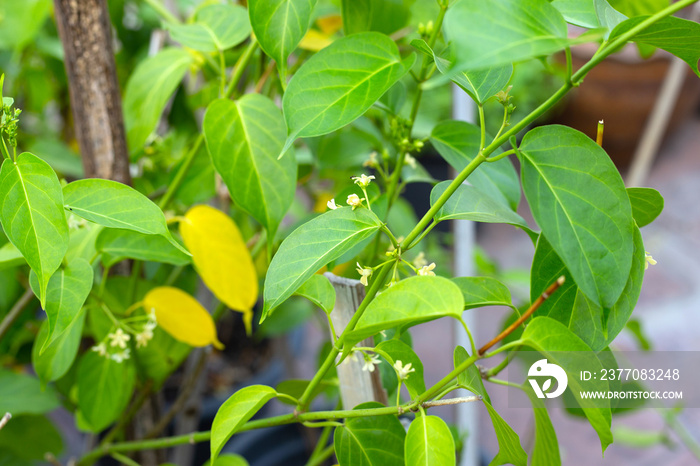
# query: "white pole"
464, 237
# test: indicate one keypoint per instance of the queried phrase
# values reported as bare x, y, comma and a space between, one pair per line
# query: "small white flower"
371, 161
144, 337
363, 180
403, 371
427, 270
355, 201
101, 349
121, 357
370, 362
365, 273
411, 161
420, 260
648, 260
119, 338
332, 205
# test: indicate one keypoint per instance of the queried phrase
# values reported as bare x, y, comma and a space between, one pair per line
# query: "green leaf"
117, 245
647, 204
318, 290
32, 215
56, 358
10, 257
471, 377
23, 394
578, 12
279, 25
235, 412
104, 389
509, 449
244, 139
26, 439
68, 289
475, 28
400, 351
546, 449
387, 16
639, 7
589, 13
429, 442
313, 245
116, 205
470, 203
152, 83
560, 346
215, 27
579, 200
340, 83
458, 143
370, 440
675, 35
410, 302
482, 292
481, 84
596, 326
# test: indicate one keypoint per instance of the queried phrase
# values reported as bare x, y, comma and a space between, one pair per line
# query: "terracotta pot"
622, 91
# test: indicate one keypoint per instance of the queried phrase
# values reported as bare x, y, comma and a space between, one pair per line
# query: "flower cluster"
115, 345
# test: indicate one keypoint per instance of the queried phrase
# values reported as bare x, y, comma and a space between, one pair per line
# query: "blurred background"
651, 109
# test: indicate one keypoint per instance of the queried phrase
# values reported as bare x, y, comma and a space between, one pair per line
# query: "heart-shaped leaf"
151, 84
32, 215
312, 246
340, 83
116, 205
370, 440
410, 302
579, 200
244, 138
458, 143
235, 412
182, 316
215, 27
429, 442
279, 25
68, 289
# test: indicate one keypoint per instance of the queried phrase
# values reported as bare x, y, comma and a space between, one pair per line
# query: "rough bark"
86, 34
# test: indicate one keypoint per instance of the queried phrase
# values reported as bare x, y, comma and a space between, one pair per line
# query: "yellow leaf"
221, 257
315, 41
330, 24
182, 316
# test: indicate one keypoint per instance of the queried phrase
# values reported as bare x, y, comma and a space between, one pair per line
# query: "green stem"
222, 71
124, 459
432, 225
456, 183
322, 456
180, 175
162, 11
378, 282
321, 445
438, 387
482, 124
575, 80
240, 66
503, 155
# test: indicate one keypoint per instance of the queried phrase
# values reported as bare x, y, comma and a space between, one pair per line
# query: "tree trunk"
86, 34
